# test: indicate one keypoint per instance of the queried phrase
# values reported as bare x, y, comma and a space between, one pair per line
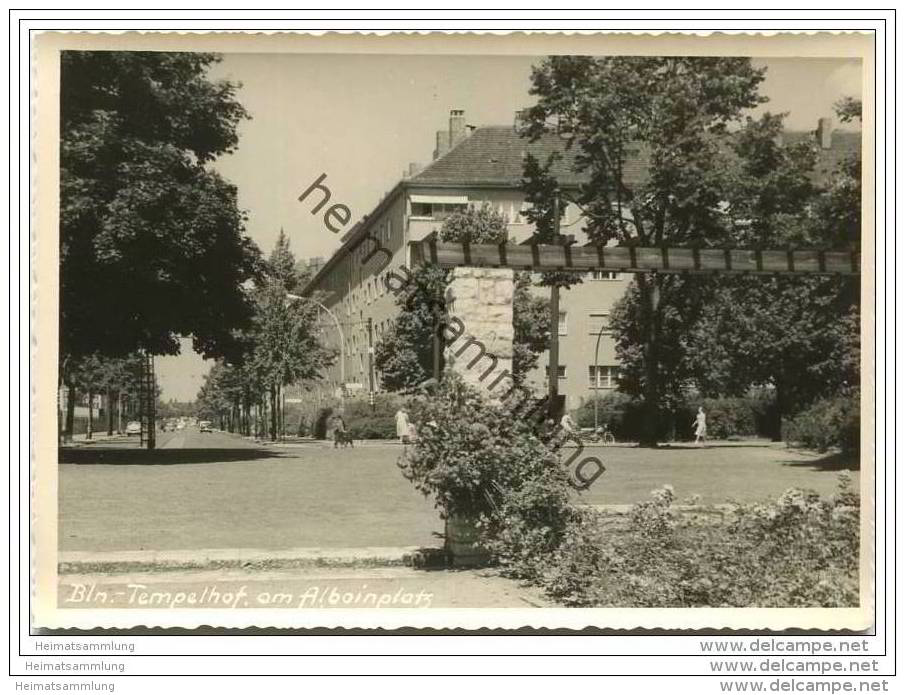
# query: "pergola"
637, 259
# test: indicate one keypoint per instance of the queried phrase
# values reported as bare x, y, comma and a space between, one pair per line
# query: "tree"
93, 375
286, 345
531, 324
404, 354
674, 113
798, 335
282, 266
152, 244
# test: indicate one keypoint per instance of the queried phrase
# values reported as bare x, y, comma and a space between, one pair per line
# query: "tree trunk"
109, 412
90, 432
650, 306
121, 403
780, 407
70, 413
273, 413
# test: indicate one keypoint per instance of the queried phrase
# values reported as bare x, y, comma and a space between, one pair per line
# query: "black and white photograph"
452, 338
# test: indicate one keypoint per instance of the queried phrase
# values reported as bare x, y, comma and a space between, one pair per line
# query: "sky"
361, 119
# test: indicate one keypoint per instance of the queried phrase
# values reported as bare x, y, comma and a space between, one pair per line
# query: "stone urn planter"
462, 546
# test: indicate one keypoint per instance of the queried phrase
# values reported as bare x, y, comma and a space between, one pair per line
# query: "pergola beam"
637, 259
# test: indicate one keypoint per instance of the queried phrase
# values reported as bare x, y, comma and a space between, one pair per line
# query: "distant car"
180, 426
205, 426
133, 427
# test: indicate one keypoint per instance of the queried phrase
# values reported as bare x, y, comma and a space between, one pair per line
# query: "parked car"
133, 427
205, 426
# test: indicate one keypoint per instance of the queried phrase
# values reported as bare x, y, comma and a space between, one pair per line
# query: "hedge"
828, 423
363, 421
726, 417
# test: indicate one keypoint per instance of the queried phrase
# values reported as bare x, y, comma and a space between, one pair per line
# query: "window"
599, 322
603, 275
563, 323
560, 371
604, 377
436, 211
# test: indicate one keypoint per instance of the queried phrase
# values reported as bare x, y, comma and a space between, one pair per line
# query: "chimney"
825, 133
521, 118
442, 143
414, 168
457, 131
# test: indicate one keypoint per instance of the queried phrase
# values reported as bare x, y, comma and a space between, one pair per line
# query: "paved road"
384, 588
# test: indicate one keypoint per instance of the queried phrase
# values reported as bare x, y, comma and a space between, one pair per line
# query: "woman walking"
700, 427
402, 426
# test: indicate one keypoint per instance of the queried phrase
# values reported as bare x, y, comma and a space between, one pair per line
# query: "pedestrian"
402, 425
700, 427
339, 430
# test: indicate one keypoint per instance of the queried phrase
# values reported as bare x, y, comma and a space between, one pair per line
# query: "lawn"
720, 472
321, 497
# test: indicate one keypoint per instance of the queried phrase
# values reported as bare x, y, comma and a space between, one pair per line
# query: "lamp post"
553, 365
597, 375
342, 346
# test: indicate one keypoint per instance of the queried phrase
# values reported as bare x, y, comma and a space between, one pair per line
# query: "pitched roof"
844, 143
494, 155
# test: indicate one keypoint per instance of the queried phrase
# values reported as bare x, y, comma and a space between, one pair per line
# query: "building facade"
476, 166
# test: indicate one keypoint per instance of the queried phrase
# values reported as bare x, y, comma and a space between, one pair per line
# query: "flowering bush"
480, 460
800, 550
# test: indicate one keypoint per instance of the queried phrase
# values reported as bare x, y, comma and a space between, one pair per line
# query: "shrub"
482, 461
531, 522
379, 422
322, 422
726, 417
611, 411
379, 427
828, 423
730, 417
800, 550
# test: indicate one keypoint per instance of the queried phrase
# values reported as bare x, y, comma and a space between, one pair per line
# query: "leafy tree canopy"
152, 242
668, 155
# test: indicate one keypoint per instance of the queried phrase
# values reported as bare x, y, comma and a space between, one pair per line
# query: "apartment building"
475, 166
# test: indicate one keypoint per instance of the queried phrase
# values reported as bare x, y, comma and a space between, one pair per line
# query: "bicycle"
601, 435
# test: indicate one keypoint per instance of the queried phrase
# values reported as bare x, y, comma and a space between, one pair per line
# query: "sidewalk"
101, 437
311, 443
119, 561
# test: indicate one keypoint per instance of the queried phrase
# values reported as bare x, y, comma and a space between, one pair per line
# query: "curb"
116, 562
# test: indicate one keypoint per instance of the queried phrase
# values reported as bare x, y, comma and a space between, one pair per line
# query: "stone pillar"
479, 333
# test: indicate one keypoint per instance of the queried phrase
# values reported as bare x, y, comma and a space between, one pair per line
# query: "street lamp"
597, 375
342, 346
